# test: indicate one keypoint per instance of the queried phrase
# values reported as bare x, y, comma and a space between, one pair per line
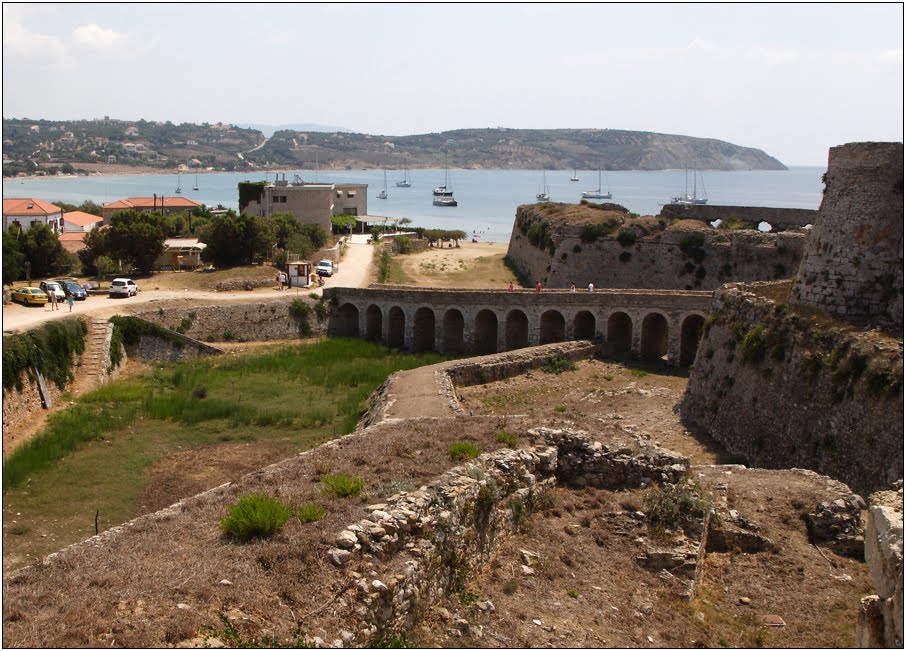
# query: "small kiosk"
299, 273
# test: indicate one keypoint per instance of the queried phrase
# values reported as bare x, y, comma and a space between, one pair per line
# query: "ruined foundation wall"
786, 390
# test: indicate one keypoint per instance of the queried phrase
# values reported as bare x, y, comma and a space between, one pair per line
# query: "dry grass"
471, 266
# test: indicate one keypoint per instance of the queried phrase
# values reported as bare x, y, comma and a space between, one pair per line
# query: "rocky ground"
568, 577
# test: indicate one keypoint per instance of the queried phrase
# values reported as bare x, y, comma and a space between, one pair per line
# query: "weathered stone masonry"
853, 264
658, 261
769, 386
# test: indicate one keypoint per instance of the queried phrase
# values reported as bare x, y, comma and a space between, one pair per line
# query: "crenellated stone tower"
853, 262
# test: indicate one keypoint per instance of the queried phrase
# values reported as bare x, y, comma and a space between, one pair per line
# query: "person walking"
572, 287
511, 286
53, 300
538, 287
591, 287
69, 301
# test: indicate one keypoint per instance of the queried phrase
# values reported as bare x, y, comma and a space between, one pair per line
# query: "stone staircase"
95, 364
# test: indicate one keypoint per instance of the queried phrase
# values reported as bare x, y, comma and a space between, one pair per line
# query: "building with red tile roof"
77, 221
74, 241
164, 205
29, 211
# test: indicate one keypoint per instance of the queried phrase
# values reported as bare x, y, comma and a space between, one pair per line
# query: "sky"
790, 79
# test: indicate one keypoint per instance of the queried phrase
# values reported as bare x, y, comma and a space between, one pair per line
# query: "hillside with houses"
83, 146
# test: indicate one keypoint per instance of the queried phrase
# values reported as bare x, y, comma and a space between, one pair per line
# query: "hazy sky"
792, 80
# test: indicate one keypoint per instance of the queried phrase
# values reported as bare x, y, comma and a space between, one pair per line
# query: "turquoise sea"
487, 198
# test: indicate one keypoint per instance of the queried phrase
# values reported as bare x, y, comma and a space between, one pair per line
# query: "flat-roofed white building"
310, 203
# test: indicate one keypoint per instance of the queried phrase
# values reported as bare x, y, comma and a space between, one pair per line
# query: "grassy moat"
137, 445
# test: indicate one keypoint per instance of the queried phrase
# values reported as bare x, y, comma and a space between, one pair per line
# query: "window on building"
350, 194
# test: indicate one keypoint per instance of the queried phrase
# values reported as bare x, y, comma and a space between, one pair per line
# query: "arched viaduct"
646, 324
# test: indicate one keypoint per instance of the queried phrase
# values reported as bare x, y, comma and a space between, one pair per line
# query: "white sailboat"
383, 193
406, 182
693, 199
575, 176
597, 193
544, 194
178, 183
196, 181
443, 194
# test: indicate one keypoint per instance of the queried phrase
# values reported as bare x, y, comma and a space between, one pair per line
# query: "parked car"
30, 296
123, 287
48, 286
74, 289
325, 268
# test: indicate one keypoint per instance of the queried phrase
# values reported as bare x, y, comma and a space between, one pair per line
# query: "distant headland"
68, 146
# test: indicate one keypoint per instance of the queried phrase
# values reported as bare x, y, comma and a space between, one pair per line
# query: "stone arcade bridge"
647, 324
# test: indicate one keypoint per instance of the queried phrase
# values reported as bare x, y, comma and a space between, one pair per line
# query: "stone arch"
584, 325
619, 335
347, 323
396, 327
454, 332
374, 323
485, 332
553, 327
423, 330
690, 335
655, 332
516, 330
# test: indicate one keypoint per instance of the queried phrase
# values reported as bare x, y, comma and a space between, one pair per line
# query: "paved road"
356, 270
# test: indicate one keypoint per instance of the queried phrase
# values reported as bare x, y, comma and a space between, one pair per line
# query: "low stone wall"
490, 368
788, 388
175, 347
780, 219
237, 322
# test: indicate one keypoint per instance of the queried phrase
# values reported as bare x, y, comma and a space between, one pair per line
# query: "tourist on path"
572, 287
591, 287
538, 286
53, 300
511, 286
69, 301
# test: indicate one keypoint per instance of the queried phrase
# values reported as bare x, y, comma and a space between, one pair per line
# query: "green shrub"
508, 439
255, 515
732, 223
591, 232
510, 587
342, 485
311, 512
462, 451
673, 506
692, 245
51, 349
558, 364
627, 237
301, 311
753, 345
321, 312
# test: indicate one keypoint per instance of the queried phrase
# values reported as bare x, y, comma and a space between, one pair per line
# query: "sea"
487, 198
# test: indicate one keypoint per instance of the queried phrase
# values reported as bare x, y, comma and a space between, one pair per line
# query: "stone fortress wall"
853, 263
664, 260
783, 391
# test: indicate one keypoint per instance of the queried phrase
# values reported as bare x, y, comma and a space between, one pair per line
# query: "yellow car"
30, 296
